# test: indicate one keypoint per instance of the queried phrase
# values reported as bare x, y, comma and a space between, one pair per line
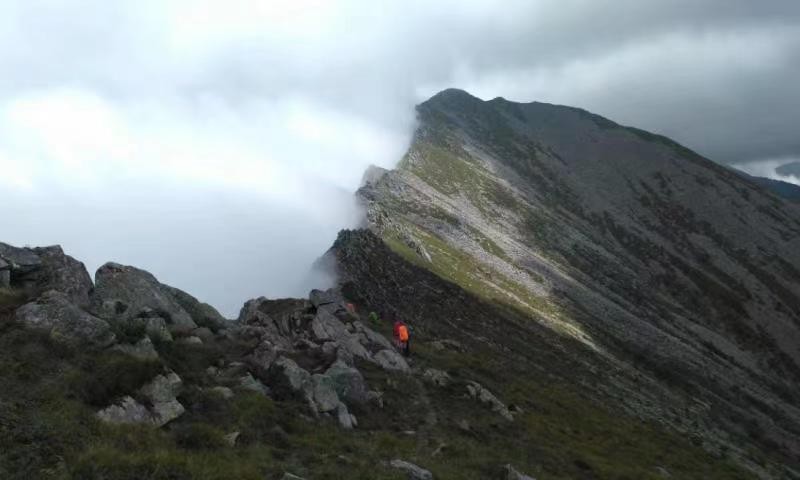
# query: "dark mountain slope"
638, 247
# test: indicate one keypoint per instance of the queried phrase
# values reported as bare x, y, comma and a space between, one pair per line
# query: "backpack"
402, 333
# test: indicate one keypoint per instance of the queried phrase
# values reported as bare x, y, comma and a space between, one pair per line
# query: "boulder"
203, 314
324, 393
161, 393
325, 327
126, 410
223, 392
63, 273
250, 383
289, 380
484, 396
190, 340
256, 319
20, 261
371, 337
122, 293
143, 349
414, 472
54, 312
348, 383
344, 417
391, 360
511, 473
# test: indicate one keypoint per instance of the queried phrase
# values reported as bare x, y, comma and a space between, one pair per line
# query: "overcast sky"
217, 143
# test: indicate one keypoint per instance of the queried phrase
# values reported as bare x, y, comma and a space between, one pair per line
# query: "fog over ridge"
217, 144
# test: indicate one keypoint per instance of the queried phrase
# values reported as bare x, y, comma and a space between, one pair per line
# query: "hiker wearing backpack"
401, 337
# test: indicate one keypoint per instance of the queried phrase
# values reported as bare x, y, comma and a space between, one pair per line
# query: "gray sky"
216, 143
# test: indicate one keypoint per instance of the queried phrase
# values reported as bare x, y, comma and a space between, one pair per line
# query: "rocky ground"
125, 378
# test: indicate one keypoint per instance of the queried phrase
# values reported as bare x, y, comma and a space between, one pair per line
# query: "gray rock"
289, 476
203, 314
414, 472
326, 327
437, 377
250, 383
511, 473
371, 337
143, 349
319, 298
66, 322
289, 380
484, 396
162, 392
63, 273
343, 416
324, 393
20, 260
127, 411
348, 383
123, 292
156, 329
391, 360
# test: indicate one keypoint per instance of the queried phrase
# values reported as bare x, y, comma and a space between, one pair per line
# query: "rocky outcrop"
391, 360
485, 397
160, 394
123, 293
63, 273
18, 264
203, 314
65, 322
143, 349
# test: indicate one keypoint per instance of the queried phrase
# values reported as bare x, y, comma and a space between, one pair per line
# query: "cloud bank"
217, 144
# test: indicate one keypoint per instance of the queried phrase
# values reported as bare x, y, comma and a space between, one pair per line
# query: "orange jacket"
402, 333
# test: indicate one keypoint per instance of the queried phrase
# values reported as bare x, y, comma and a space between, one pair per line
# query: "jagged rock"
203, 314
223, 392
326, 327
126, 410
348, 383
261, 359
19, 260
162, 392
63, 273
447, 344
324, 393
414, 472
54, 312
123, 292
319, 298
143, 349
511, 473
391, 360
437, 377
254, 315
484, 396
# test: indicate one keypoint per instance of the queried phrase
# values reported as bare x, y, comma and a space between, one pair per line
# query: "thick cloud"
217, 143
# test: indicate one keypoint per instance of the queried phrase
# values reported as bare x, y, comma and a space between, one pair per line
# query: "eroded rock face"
391, 360
54, 312
63, 273
123, 292
203, 314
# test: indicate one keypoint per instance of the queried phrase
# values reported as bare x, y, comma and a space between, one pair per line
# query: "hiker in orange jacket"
401, 337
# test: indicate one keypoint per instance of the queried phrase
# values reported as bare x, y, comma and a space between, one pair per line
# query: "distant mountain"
646, 252
792, 168
786, 190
